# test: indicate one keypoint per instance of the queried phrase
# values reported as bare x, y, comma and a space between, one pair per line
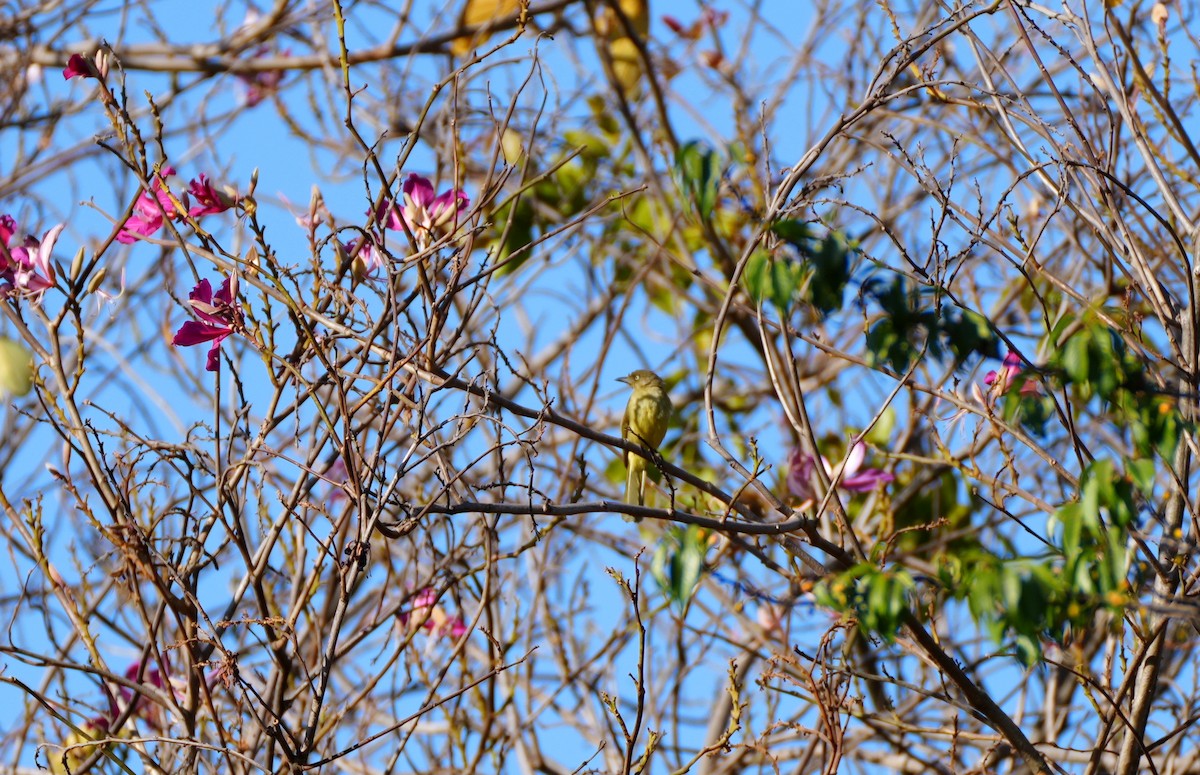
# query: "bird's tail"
635, 484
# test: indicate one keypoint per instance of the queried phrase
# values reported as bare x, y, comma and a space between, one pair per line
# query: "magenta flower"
423, 212
149, 209
368, 259
83, 66
433, 617
78, 65
153, 677
8, 227
1011, 367
855, 478
1000, 381
209, 199
261, 84
220, 315
27, 270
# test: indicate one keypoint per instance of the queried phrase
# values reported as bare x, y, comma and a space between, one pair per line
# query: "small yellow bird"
646, 417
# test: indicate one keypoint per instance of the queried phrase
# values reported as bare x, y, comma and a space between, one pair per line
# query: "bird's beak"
623, 379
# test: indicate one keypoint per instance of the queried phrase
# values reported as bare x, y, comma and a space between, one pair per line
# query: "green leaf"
881, 431
1142, 473
1029, 650
783, 283
831, 273
699, 170
590, 144
687, 565
794, 232
757, 275
16, 368
1071, 517
518, 236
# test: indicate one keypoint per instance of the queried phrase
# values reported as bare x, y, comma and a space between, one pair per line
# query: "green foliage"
1029, 599
771, 278
1096, 363
817, 269
679, 561
1032, 408
941, 501
515, 223
698, 170
877, 598
913, 321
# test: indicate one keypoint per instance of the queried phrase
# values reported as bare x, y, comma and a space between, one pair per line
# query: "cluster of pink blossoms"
153, 206
427, 614
220, 314
854, 478
424, 215
101, 725
1000, 381
25, 268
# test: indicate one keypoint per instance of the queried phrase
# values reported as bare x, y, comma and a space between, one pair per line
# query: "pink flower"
150, 676
855, 478
337, 477
149, 209
78, 65
433, 617
1000, 381
209, 199
8, 227
261, 84
423, 212
368, 259
27, 270
220, 315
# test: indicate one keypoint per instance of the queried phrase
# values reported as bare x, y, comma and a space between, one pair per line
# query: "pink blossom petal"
219, 316
1003, 378
77, 66
8, 227
854, 461
866, 481
137, 227
46, 248
228, 290
447, 206
194, 332
425, 598
202, 292
209, 199
800, 467
418, 190
213, 362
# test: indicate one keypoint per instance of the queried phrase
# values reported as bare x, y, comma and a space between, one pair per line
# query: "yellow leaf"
477, 12
16, 368
636, 11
